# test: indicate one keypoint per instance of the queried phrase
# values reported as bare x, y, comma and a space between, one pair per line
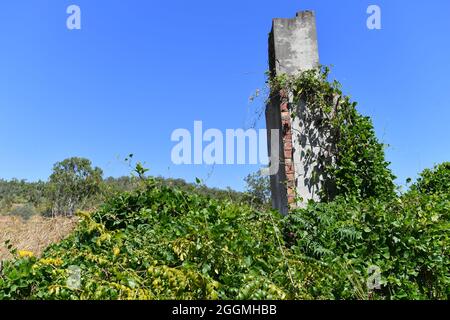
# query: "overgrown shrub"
406, 238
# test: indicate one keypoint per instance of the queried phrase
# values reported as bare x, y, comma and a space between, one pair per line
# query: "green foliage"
72, 182
407, 238
434, 181
158, 242
162, 243
18, 194
258, 188
359, 170
43, 198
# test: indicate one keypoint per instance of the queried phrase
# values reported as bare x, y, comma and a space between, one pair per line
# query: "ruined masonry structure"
293, 48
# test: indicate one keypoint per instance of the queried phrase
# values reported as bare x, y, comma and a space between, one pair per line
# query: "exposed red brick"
286, 123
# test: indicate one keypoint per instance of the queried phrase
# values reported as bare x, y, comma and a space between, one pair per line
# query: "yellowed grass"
33, 235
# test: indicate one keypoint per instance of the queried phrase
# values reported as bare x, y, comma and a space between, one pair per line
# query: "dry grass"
33, 235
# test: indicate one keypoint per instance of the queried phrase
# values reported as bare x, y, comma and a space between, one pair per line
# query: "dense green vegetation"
158, 240
407, 238
159, 243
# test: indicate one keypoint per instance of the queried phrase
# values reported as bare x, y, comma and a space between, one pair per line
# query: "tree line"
75, 184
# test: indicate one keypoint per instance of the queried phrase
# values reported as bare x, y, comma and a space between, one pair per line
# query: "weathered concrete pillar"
293, 48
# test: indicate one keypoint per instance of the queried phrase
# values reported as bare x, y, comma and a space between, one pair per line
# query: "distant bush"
258, 190
73, 182
24, 211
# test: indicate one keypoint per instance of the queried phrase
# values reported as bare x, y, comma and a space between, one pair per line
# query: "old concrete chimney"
293, 48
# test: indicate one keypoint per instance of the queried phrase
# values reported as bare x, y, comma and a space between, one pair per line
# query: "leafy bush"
432, 181
406, 238
72, 183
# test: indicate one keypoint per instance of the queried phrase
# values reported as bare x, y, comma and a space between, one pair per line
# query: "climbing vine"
344, 150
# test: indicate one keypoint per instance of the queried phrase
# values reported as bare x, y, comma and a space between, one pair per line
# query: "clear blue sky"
139, 69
